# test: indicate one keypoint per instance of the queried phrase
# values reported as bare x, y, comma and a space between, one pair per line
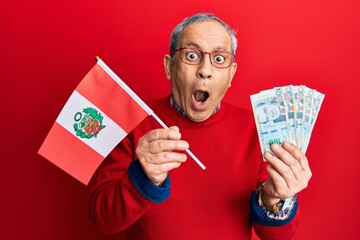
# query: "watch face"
280, 204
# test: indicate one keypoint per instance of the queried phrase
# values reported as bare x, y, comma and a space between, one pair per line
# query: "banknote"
286, 113
290, 105
270, 118
309, 94
316, 105
299, 98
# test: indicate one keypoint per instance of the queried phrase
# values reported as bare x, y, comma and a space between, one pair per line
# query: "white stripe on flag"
106, 139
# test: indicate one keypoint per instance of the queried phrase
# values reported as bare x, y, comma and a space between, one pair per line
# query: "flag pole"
140, 102
187, 150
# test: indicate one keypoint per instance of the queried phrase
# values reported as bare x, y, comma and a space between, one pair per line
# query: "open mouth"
201, 96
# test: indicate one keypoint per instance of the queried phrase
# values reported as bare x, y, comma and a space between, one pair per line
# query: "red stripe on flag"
100, 89
70, 154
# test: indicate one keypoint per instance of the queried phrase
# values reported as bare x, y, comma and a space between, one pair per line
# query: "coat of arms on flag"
88, 123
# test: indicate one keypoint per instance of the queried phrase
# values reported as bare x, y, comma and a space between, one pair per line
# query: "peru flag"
98, 115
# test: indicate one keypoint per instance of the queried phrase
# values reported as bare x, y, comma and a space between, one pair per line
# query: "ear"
168, 66
232, 70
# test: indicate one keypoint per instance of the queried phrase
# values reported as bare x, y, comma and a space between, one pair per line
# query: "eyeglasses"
194, 56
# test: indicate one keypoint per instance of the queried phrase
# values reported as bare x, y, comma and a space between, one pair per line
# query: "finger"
167, 157
160, 146
174, 128
279, 183
297, 154
285, 171
288, 159
169, 133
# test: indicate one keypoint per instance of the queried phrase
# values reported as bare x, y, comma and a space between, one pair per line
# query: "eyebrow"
195, 45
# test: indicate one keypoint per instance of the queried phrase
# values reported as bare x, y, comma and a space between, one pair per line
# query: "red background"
47, 47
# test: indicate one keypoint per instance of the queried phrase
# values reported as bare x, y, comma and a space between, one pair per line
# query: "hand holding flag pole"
141, 103
100, 112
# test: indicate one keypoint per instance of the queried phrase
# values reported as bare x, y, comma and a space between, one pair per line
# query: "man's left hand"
289, 172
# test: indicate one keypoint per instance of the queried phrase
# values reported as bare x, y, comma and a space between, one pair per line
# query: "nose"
205, 69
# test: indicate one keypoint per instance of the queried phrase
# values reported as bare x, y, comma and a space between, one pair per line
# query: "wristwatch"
275, 208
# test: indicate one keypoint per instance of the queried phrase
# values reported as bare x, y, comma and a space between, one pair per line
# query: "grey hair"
200, 17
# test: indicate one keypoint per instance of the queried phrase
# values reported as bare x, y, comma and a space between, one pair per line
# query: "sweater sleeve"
283, 232
120, 193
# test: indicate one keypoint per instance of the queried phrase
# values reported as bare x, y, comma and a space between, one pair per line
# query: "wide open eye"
219, 58
192, 55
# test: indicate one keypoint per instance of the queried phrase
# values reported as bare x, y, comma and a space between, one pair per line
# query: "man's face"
267, 113
199, 89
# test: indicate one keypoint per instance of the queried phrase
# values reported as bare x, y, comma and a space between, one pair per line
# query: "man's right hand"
155, 153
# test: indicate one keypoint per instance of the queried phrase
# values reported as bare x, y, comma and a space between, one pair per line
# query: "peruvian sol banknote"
286, 113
